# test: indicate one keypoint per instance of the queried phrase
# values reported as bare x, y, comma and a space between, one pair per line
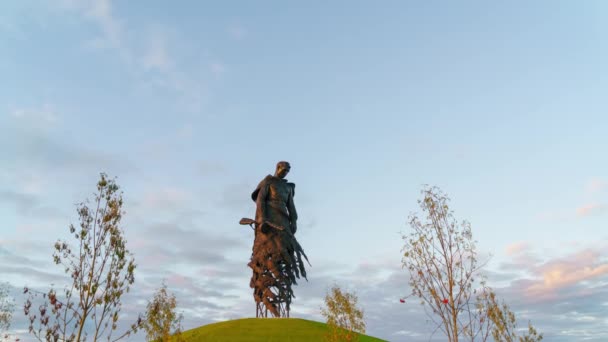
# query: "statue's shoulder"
292, 186
266, 180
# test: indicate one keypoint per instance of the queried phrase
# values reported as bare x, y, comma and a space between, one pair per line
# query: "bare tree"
344, 318
101, 269
161, 322
442, 261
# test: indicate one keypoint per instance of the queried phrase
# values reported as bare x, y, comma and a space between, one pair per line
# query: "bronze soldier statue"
274, 200
276, 260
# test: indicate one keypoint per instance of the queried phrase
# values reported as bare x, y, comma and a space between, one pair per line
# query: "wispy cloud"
44, 114
555, 291
591, 209
595, 204
549, 279
217, 68
568, 270
596, 185
237, 32
28, 205
112, 29
55, 155
516, 248
156, 55
32, 134
10, 29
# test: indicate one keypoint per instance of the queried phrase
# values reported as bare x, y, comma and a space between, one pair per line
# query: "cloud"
596, 185
574, 313
29, 205
35, 275
125, 41
378, 291
205, 281
516, 248
547, 279
217, 68
220, 292
112, 31
237, 32
205, 266
28, 264
562, 295
521, 261
55, 155
35, 145
593, 188
562, 272
218, 288
170, 244
9, 257
156, 55
591, 209
23, 202
10, 29
44, 115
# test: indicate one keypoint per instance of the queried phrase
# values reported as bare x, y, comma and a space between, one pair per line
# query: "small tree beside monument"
101, 269
344, 319
161, 321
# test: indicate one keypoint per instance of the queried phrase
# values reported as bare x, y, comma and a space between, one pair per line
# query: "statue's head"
283, 168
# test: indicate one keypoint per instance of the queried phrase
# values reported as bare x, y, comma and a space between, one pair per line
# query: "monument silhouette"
277, 257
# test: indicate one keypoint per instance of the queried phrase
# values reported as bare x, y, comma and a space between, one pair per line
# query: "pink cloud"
178, 280
184, 283
596, 185
516, 248
564, 272
590, 209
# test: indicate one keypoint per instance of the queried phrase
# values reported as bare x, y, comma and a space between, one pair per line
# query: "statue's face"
282, 171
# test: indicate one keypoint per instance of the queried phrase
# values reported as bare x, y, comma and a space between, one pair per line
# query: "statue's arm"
261, 201
293, 214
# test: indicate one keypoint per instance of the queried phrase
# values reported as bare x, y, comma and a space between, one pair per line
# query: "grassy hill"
263, 329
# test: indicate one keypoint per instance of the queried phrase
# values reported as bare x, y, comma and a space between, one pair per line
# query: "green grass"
263, 329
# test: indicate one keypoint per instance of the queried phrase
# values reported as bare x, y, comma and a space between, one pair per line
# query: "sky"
502, 105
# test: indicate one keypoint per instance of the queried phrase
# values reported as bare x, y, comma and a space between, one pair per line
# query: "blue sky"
502, 105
